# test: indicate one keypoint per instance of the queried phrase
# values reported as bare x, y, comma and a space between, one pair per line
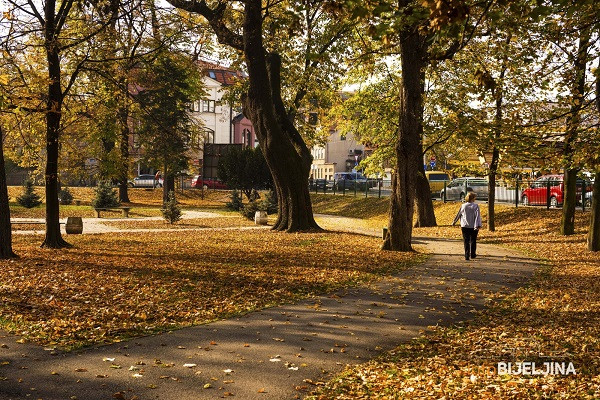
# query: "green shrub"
250, 209
29, 198
171, 211
236, 203
269, 203
106, 196
65, 196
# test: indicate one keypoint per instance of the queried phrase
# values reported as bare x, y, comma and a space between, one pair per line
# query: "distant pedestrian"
156, 179
470, 222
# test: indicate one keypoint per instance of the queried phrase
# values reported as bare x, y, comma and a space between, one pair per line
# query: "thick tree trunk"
5, 230
593, 239
423, 202
567, 226
287, 156
53, 237
492, 189
408, 146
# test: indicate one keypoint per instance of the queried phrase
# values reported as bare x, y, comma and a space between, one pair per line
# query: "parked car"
458, 188
208, 183
145, 181
436, 180
348, 180
320, 184
537, 192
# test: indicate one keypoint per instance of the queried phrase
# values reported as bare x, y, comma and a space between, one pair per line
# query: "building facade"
341, 153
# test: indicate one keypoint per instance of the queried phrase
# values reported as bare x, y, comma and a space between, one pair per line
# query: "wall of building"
338, 155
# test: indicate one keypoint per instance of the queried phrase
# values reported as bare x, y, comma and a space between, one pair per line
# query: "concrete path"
278, 353
102, 225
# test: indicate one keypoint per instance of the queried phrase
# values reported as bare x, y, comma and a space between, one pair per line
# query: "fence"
545, 191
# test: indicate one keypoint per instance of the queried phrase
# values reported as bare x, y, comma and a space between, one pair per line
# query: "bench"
124, 210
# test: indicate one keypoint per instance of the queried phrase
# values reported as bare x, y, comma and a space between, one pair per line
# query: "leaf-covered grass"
111, 286
140, 197
350, 206
555, 318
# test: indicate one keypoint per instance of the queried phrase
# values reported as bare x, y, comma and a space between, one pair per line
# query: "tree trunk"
168, 186
287, 156
424, 204
492, 189
567, 226
408, 146
5, 229
53, 237
593, 239
124, 148
567, 223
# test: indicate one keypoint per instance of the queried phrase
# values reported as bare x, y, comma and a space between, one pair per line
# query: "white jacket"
469, 215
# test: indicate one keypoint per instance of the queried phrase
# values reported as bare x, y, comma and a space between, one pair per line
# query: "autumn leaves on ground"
555, 319
115, 285
151, 282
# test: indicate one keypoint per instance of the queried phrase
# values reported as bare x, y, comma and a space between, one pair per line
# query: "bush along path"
282, 352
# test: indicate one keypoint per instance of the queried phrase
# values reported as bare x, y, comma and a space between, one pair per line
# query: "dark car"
207, 183
145, 181
537, 193
350, 180
320, 184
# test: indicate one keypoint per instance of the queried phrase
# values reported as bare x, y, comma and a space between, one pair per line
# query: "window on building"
212, 74
208, 106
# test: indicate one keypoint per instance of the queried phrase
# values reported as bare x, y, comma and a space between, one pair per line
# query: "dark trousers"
470, 239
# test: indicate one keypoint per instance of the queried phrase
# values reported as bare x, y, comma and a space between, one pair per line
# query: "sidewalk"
277, 353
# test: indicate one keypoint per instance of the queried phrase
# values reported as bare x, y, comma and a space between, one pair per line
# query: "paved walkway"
102, 225
277, 353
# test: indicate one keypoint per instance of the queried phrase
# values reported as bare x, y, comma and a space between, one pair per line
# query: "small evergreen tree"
171, 211
65, 196
106, 196
236, 201
250, 209
29, 198
270, 202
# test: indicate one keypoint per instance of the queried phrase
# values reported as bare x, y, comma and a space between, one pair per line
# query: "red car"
537, 192
209, 183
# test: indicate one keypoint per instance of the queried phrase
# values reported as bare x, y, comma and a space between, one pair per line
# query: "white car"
146, 181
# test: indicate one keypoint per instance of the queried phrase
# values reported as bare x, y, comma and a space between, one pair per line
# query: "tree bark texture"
593, 239
408, 145
492, 189
124, 153
423, 202
567, 226
5, 230
53, 237
168, 186
287, 156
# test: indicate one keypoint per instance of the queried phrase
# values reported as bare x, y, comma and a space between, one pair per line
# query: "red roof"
224, 75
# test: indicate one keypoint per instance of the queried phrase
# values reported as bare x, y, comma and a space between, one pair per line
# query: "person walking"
470, 222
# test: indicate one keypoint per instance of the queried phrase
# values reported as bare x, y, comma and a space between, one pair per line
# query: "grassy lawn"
160, 281
141, 198
556, 318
